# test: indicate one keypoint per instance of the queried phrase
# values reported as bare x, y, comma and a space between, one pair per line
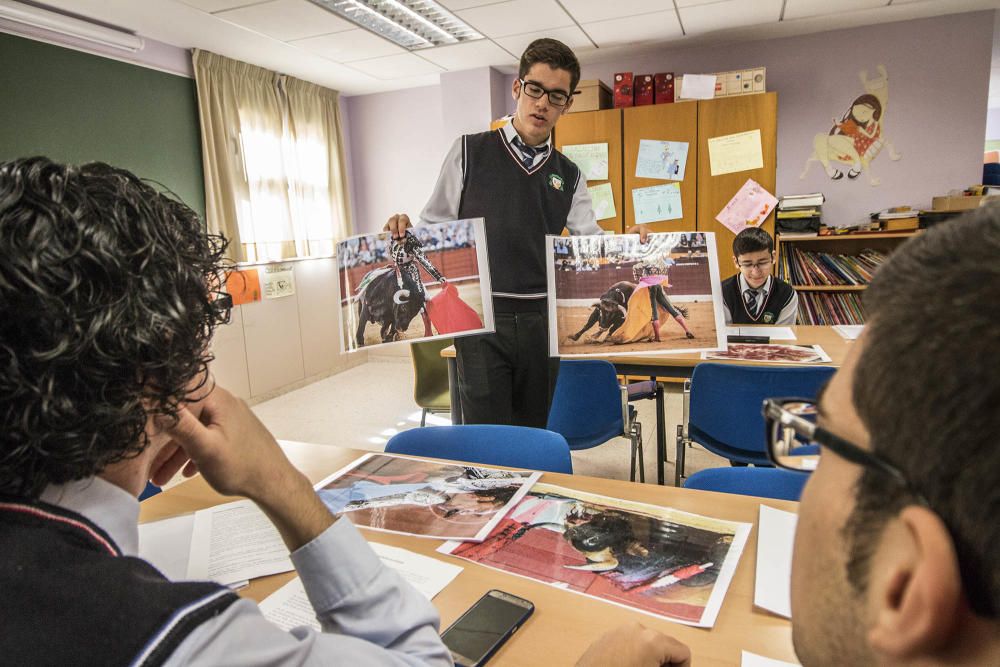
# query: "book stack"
830, 308
898, 219
802, 267
799, 215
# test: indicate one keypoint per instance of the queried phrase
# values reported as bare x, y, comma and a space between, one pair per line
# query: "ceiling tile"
799, 9
694, 3
455, 5
572, 37
215, 5
701, 19
656, 27
511, 18
403, 66
356, 44
481, 53
589, 11
286, 19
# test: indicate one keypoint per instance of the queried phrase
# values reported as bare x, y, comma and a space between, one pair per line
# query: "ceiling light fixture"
413, 24
38, 17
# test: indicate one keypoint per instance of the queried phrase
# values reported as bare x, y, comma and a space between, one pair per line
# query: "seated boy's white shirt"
370, 616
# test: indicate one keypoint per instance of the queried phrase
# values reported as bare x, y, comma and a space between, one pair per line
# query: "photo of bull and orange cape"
434, 283
616, 296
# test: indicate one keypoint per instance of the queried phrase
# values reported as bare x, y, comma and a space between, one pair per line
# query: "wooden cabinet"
598, 127
662, 122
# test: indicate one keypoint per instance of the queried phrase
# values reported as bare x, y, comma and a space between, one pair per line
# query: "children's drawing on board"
858, 136
615, 295
654, 559
384, 285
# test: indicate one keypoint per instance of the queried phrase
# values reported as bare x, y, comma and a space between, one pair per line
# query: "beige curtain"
275, 183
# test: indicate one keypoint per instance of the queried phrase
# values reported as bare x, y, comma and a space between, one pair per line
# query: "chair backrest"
725, 407
587, 405
763, 482
492, 444
430, 374
150, 491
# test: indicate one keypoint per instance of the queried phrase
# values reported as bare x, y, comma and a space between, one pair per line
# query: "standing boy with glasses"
754, 296
525, 189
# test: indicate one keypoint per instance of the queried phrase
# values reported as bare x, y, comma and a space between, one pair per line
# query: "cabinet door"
663, 122
598, 127
721, 117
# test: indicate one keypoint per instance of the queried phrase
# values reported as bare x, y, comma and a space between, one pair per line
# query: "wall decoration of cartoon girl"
858, 136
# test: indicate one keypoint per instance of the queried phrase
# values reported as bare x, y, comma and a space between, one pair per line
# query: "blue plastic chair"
723, 408
492, 444
590, 407
150, 491
763, 482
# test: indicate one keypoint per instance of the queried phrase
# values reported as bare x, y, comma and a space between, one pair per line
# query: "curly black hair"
107, 289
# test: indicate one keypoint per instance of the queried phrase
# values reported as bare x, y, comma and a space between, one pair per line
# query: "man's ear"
569, 104
915, 587
515, 88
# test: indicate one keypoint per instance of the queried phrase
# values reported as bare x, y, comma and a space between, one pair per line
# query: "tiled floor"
364, 406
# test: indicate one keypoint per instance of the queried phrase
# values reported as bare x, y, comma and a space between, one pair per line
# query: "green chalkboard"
75, 107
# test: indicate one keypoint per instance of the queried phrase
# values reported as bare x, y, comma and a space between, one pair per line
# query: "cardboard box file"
663, 88
955, 203
643, 90
624, 92
591, 95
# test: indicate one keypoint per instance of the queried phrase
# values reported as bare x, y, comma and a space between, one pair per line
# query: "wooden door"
596, 127
663, 122
724, 116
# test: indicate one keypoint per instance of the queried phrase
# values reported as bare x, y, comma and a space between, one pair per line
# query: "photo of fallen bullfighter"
617, 296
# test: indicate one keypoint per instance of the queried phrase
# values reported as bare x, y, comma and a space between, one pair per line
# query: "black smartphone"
485, 626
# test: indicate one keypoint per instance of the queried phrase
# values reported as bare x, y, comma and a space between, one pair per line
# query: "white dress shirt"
369, 615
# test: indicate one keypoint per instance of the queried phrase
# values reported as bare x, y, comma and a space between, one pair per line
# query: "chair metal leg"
638, 444
661, 434
423, 417
631, 465
679, 463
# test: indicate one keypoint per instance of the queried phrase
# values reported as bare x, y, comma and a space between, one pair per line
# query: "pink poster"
748, 207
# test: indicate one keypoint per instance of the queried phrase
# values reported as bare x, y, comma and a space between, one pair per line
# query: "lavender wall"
993, 125
936, 117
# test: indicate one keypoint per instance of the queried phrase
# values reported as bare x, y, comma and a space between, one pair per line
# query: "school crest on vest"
768, 318
555, 182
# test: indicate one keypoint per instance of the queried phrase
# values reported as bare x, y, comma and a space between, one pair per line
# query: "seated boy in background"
754, 296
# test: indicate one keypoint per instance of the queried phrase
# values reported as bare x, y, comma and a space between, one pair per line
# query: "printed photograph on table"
424, 498
434, 283
615, 295
656, 560
771, 353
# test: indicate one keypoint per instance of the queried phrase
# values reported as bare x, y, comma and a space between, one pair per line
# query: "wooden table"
679, 365
564, 623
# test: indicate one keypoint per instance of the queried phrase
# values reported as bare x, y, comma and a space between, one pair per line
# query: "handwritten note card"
748, 207
592, 159
602, 200
735, 152
659, 202
661, 159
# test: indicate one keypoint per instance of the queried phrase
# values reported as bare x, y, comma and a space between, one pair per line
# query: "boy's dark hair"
106, 290
752, 239
928, 396
553, 53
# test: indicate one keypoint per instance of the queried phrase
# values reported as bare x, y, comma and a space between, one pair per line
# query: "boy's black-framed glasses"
557, 98
795, 442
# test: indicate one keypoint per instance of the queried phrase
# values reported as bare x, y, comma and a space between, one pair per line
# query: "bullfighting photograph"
617, 296
432, 499
433, 283
657, 560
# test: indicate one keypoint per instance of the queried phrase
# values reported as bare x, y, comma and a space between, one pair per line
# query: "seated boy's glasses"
762, 265
557, 98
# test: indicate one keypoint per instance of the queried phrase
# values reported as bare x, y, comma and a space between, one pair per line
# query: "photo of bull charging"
617, 296
424, 286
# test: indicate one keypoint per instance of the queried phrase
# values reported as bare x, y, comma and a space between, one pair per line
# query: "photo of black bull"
609, 312
383, 301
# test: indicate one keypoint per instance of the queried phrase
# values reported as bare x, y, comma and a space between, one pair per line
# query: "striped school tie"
750, 296
527, 152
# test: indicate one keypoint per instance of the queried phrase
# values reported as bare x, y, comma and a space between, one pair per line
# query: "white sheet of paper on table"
289, 607
753, 660
775, 333
849, 331
775, 540
167, 545
659, 202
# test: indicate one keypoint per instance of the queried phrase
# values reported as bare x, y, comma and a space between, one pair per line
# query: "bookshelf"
830, 273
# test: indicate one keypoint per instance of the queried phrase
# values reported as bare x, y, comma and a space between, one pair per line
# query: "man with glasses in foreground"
754, 296
525, 189
897, 551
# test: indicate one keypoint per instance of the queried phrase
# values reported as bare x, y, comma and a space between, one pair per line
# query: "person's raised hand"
633, 645
397, 226
641, 230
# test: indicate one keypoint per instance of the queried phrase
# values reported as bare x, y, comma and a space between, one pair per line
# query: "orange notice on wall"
243, 286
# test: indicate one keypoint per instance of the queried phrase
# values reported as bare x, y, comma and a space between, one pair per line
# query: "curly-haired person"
109, 294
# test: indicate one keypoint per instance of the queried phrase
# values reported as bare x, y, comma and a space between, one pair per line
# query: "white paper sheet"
167, 545
699, 86
775, 539
592, 159
735, 152
289, 606
776, 333
235, 542
753, 660
658, 202
849, 331
666, 160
